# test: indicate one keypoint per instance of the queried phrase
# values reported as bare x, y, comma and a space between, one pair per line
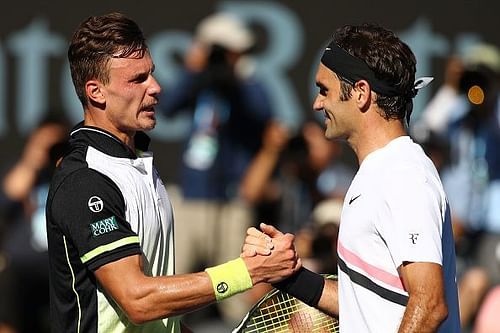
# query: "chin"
328, 134
147, 126
150, 127
148, 123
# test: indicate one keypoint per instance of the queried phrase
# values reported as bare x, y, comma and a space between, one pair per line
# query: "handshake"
269, 255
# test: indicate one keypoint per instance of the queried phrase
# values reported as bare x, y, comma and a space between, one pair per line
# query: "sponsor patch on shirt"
103, 226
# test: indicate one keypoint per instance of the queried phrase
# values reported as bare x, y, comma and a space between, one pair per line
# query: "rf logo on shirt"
413, 237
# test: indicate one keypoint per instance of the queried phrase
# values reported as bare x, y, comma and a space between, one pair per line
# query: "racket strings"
275, 315
271, 325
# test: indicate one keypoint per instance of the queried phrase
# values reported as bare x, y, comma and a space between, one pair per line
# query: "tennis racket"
279, 312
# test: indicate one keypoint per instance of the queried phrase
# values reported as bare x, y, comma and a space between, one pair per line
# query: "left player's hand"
271, 255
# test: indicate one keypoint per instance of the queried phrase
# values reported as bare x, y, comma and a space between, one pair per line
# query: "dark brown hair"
388, 57
97, 40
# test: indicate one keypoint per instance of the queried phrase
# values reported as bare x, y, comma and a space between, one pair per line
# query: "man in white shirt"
395, 246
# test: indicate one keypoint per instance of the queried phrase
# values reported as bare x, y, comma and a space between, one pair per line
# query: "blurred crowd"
24, 272
241, 166
460, 128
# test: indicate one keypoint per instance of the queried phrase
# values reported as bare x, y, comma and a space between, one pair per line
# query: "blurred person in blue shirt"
467, 117
24, 289
230, 109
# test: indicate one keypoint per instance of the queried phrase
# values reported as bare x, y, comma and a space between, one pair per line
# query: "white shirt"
394, 211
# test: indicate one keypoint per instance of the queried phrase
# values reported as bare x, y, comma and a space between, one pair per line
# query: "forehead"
131, 64
325, 76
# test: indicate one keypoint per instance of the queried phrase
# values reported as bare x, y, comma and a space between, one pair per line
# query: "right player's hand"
256, 243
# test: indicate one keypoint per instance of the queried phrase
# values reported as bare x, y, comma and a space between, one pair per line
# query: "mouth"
149, 108
327, 116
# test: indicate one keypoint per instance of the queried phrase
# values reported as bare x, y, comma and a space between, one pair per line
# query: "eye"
141, 78
323, 91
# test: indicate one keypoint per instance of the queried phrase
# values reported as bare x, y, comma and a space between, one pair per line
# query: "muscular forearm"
423, 315
169, 296
426, 307
144, 298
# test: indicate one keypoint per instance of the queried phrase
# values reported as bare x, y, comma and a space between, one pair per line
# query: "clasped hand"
269, 254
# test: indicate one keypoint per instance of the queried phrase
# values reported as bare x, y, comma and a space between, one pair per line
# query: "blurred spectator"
466, 112
325, 222
289, 177
24, 301
487, 320
436, 115
298, 184
230, 110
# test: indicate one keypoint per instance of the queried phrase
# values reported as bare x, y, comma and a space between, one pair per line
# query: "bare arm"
329, 301
263, 164
145, 298
426, 307
20, 180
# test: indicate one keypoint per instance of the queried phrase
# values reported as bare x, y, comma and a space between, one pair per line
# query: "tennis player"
109, 218
395, 248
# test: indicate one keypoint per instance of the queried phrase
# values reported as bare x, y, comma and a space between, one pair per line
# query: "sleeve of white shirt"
412, 227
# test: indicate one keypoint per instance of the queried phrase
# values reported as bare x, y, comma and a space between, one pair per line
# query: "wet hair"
96, 41
389, 58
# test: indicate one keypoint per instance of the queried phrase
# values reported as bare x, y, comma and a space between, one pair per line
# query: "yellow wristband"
229, 279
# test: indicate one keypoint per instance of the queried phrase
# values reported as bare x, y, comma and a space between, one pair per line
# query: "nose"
318, 103
155, 88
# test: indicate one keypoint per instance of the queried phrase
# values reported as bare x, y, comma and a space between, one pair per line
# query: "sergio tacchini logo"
95, 204
222, 287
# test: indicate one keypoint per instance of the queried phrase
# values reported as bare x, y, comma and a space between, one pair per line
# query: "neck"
374, 135
95, 119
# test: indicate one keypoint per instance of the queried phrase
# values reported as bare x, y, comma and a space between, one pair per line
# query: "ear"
93, 89
363, 93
